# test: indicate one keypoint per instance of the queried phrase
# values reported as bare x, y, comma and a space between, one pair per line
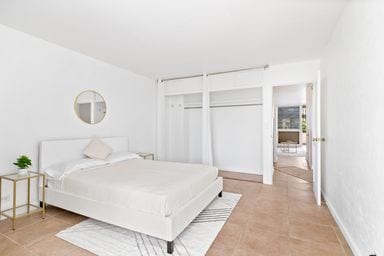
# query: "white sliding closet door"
236, 119
214, 119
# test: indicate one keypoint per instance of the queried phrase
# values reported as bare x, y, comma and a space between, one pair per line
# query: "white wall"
353, 114
292, 73
291, 95
39, 82
276, 75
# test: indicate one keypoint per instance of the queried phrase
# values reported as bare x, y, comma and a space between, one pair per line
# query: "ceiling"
167, 38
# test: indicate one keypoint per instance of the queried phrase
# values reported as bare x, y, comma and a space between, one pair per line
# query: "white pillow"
57, 171
121, 156
97, 149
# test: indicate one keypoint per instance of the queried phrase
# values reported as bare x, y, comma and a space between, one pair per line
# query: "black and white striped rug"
107, 240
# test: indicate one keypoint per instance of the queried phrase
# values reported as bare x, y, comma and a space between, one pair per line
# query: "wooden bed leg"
221, 194
170, 247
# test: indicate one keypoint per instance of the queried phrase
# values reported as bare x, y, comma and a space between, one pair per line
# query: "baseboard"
343, 229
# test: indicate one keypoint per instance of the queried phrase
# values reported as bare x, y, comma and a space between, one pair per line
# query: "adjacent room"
191, 128
292, 129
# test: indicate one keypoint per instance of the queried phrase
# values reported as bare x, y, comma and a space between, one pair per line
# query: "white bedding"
53, 183
154, 187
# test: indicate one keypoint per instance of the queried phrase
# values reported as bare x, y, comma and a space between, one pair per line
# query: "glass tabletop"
17, 176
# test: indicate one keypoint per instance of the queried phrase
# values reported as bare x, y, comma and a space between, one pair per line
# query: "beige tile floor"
242, 176
293, 161
269, 220
294, 166
282, 219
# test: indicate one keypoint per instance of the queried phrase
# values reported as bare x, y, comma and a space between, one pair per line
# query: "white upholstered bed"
152, 197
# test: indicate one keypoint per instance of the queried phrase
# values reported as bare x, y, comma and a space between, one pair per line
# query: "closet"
214, 119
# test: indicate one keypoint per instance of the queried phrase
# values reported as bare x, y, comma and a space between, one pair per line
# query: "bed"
156, 198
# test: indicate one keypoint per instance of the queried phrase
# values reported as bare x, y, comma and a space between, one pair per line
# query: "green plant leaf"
23, 162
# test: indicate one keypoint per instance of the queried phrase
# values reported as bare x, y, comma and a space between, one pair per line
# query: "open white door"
316, 138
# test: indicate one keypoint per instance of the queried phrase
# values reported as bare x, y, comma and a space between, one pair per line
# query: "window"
289, 117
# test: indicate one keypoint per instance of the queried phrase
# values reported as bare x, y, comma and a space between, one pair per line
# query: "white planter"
23, 171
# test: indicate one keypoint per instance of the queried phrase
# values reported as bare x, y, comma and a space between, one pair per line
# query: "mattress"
154, 187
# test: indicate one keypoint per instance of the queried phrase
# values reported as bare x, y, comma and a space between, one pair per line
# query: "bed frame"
166, 228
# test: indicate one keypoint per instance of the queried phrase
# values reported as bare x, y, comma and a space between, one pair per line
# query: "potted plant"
23, 163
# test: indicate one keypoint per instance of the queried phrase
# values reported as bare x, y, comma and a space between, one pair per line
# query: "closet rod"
226, 106
215, 73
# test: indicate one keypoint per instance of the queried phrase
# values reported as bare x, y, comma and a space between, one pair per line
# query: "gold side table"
25, 209
146, 155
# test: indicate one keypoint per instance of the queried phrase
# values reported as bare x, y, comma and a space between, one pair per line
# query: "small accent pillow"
121, 156
97, 149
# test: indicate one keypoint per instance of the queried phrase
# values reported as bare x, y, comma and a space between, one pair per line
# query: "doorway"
292, 105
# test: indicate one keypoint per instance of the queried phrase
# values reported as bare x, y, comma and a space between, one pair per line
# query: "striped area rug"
107, 240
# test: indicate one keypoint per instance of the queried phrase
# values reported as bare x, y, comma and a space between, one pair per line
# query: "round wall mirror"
90, 107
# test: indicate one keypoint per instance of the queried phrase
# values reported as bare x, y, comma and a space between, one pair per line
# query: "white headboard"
57, 151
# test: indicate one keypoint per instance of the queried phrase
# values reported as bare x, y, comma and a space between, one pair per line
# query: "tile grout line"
18, 244
240, 239
244, 233
47, 235
27, 225
289, 209
239, 179
34, 242
289, 225
312, 223
6, 234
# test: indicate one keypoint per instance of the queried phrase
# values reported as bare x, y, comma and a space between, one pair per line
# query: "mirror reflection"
90, 107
